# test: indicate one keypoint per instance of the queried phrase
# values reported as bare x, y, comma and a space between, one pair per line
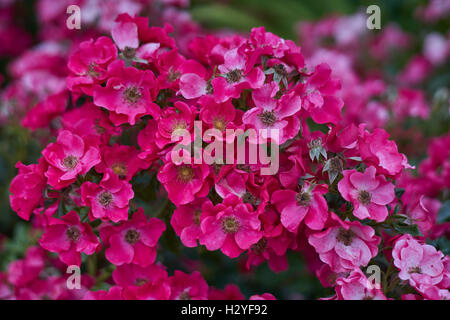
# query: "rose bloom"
230, 226
345, 245
357, 287
368, 193
69, 237
133, 241
68, 157
421, 264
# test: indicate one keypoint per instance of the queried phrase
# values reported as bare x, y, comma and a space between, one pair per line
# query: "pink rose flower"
345, 245
419, 263
318, 96
109, 199
309, 205
133, 241
188, 286
68, 157
27, 187
368, 193
146, 283
376, 150
230, 226
185, 182
357, 287
88, 64
23, 271
128, 94
122, 160
69, 238
271, 113
186, 221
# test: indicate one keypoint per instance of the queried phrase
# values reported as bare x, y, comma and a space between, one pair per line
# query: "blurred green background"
281, 16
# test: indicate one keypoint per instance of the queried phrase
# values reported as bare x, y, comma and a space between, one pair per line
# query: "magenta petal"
192, 86
230, 248
377, 212
70, 257
292, 215
143, 255
317, 215
125, 35
324, 241
384, 194
55, 239
282, 198
364, 181
120, 251
213, 236
245, 238
151, 233
189, 236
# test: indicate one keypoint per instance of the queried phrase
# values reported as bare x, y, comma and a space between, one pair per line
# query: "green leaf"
444, 212
411, 229
399, 192
442, 244
396, 209
220, 16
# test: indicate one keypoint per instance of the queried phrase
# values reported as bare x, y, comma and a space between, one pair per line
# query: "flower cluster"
106, 190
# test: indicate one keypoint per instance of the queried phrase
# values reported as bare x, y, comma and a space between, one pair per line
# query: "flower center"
219, 124
98, 127
73, 233
70, 162
105, 198
415, 270
132, 94
129, 53
209, 88
249, 198
259, 247
280, 69
178, 125
91, 70
345, 236
196, 217
120, 169
184, 296
267, 118
303, 199
234, 75
140, 281
364, 197
132, 236
172, 76
230, 225
336, 165
185, 174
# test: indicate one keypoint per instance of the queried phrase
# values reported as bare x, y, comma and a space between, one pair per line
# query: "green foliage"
444, 212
